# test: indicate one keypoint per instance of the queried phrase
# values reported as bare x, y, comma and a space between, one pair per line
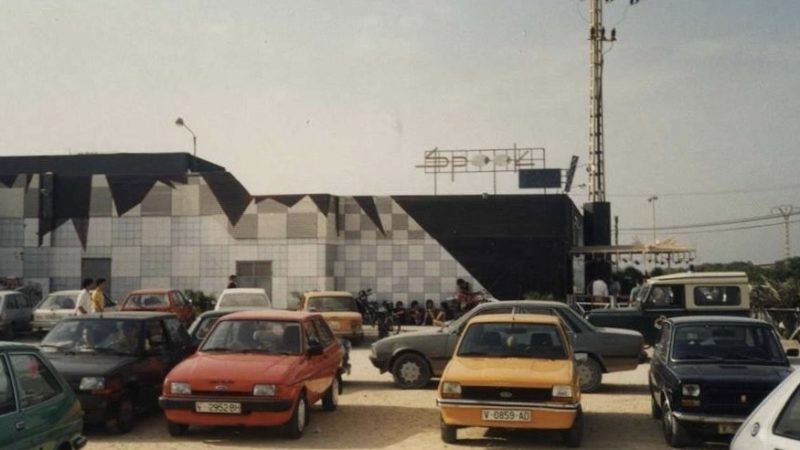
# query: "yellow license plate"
218, 407
727, 428
506, 415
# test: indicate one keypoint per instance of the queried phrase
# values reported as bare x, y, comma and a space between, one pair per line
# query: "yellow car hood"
516, 372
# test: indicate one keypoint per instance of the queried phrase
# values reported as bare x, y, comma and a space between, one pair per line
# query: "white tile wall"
156, 283
12, 202
126, 261
303, 261
155, 230
185, 261
272, 226
186, 200
214, 230
64, 262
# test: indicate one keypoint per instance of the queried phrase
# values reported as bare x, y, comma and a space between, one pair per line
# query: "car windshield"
727, 342
788, 424
332, 304
254, 336
117, 336
239, 300
518, 340
59, 301
147, 301
200, 329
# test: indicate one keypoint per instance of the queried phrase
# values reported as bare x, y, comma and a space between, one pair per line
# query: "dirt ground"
372, 414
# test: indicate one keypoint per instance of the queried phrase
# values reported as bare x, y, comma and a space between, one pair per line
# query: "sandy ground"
372, 414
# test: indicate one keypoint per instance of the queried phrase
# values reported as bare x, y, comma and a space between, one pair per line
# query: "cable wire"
723, 230
712, 224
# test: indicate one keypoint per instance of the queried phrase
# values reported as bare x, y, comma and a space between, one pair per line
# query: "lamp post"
652, 201
179, 122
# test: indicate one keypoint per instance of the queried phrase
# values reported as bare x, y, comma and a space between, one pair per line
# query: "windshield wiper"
749, 358
699, 356
216, 349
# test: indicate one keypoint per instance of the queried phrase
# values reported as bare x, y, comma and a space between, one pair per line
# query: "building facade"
171, 220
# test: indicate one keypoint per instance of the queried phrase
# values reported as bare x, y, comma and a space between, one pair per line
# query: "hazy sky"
344, 96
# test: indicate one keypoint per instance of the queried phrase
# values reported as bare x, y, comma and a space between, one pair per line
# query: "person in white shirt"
599, 291
83, 305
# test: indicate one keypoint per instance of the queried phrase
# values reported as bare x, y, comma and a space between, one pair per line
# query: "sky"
344, 97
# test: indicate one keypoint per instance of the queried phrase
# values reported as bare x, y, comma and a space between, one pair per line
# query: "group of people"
92, 296
417, 314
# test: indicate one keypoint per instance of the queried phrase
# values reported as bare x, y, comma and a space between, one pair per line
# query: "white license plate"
334, 325
506, 415
218, 407
727, 428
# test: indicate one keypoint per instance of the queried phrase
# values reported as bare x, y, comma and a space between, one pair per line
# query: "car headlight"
451, 389
177, 387
690, 390
562, 390
264, 389
92, 383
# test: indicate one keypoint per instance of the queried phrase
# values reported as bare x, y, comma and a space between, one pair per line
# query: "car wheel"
590, 374
299, 420
411, 371
449, 433
331, 398
573, 436
125, 416
177, 429
674, 433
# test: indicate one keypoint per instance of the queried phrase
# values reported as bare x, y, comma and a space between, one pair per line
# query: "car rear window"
788, 423
332, 304
520, 340
717, 296
59, 301
147, 301
239, 300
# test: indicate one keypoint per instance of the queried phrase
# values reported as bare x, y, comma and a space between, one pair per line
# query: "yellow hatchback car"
512, 371
340, 311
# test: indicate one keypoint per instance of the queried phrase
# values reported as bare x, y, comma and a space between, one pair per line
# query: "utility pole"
652, 201
616, 230
786, 211
597, 39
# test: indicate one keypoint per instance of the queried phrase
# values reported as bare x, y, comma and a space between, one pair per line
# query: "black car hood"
88, 365
731, 373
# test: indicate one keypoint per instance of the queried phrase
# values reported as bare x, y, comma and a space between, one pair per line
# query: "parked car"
161, 300
709, 372
58, 305
116, 361
512, 371
42, 412
16, 313
774, 424
241, 298
680, 294
414, 358
340, 310
256, 368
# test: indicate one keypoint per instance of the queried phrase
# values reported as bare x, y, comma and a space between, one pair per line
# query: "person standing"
599, 291
99, 295
83, 304
233, 282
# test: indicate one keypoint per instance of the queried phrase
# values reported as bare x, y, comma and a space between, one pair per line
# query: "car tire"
449, 433
177, 429
675, 434
297, 424
330, 400
573, 436
590, 374
411, 371
124, 416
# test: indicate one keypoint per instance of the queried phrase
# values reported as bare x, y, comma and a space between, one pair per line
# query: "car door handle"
20, 426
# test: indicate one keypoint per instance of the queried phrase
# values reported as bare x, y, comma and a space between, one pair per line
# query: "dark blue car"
708, 373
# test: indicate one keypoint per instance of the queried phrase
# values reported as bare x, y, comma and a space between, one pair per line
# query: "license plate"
218, 407
334, 325
727, 428
506, 415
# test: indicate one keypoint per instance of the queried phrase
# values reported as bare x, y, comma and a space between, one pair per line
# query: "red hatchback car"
256, 369
160, 300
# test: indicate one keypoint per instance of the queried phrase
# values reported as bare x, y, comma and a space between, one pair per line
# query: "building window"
255, 274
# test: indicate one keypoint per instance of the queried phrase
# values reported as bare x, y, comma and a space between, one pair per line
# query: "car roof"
130, 315
310, 294
715, 319
518, 318
271, 314
9, 291
243, 291
542, 303
151, 291
696, 275
8, 345
67, 292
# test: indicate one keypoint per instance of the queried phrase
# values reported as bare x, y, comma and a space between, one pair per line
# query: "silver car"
414, 358
15, 314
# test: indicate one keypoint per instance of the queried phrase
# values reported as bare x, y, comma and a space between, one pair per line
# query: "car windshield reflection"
120, 337
727, 342
254, 336
518, 340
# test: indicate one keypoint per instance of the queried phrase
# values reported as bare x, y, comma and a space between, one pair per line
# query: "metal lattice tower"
597, 37
786, 211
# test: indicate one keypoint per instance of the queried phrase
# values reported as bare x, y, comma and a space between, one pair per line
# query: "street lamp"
652, 201
179, 122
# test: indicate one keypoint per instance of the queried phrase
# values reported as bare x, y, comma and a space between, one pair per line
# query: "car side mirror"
315, 349
793, 352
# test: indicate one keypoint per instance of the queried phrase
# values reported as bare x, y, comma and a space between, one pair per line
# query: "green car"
37, 407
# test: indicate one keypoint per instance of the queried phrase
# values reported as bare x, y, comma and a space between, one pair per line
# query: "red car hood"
237, 372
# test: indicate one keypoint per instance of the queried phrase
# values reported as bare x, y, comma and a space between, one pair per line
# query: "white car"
775, 423
239, 298
53, 308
